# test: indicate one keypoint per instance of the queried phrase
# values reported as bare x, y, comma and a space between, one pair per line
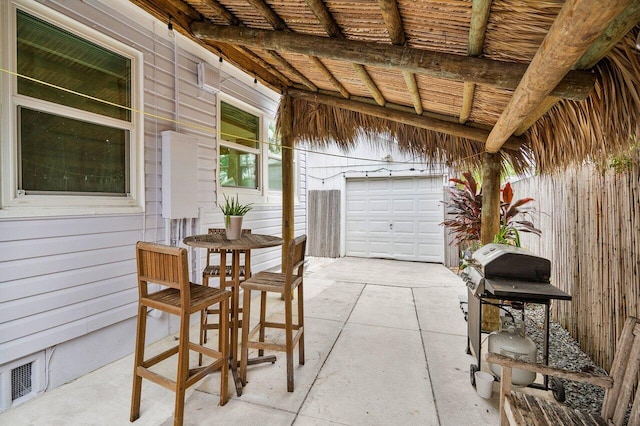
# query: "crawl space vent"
21, 381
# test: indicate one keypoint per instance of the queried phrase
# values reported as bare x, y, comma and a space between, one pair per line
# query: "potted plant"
233, 213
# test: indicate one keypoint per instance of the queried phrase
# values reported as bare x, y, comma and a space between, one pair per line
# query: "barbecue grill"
508, 274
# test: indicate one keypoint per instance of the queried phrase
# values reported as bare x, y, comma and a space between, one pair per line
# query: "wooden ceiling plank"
393, 22
480, 10
576, 27
455, 129
575, 85
327, 73
324, 16
363, 75
182, 16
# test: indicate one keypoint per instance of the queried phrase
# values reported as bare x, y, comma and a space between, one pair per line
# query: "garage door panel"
404, 205
395, 218
378, 206
356, 205
407, 249
377, 184
378, 226
404, 227
358, 248
400, 184
357, 226
427, 225
379, 252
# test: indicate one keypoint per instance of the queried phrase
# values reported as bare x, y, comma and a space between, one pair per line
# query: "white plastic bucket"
484, 384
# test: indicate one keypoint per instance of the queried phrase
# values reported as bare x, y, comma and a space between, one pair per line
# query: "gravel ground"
564, 352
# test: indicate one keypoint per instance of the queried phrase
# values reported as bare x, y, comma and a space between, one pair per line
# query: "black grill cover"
505, 261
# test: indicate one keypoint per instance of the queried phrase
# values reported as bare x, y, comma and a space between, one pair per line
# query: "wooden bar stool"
168, 266
284, 284
212, 270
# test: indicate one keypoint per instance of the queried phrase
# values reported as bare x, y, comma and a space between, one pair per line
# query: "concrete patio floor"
385, 345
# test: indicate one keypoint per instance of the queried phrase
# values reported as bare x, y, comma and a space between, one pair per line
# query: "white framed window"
72, 130
249, 153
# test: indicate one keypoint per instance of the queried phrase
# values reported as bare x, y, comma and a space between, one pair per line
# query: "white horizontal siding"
63, 278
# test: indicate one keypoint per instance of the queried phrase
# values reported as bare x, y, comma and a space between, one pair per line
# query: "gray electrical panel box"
179, 175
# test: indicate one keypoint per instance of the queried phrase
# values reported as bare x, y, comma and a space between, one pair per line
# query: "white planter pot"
233, 227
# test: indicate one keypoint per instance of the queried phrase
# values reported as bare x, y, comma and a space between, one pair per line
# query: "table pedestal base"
251, 361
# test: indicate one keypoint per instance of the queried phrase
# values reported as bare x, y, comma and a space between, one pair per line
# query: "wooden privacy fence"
324, 223
590, 226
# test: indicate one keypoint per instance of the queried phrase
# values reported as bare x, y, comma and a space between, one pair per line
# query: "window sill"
42, 212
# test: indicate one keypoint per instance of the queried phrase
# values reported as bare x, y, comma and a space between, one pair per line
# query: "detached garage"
395, 218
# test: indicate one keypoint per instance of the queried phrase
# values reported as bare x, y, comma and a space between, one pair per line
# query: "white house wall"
67, 284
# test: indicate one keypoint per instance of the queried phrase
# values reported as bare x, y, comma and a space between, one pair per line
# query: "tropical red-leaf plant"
464, 210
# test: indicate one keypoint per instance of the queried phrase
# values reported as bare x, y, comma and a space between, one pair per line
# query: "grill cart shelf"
509, 274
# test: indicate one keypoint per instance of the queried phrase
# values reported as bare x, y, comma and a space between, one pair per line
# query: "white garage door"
395, 218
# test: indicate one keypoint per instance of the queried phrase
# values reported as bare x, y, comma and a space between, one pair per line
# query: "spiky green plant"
232, 207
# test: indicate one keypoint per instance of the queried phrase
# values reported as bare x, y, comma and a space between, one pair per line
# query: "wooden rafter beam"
507, 75
598, 50
280, 25
324, 16
285, 64
468, 93
182, 15
222, 12
267, 12
393, 22
480, 10
412, 87
333, 30
455, 129
479, 18
620, 26
390, 105
327, 73
576, 27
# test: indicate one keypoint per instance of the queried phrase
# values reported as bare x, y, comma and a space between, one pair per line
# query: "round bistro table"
246, 242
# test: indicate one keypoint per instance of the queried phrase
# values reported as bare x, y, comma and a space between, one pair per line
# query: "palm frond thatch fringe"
322, 125
599, 127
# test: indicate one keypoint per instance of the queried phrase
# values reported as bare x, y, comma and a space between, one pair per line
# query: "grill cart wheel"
557, 389
472, 370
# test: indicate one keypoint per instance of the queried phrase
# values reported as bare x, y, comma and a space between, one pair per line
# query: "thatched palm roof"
544, 82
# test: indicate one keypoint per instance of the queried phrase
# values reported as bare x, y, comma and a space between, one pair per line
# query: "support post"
288, 174
490, 223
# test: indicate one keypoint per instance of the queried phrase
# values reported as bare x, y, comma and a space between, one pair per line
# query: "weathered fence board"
591, 231
324, 223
